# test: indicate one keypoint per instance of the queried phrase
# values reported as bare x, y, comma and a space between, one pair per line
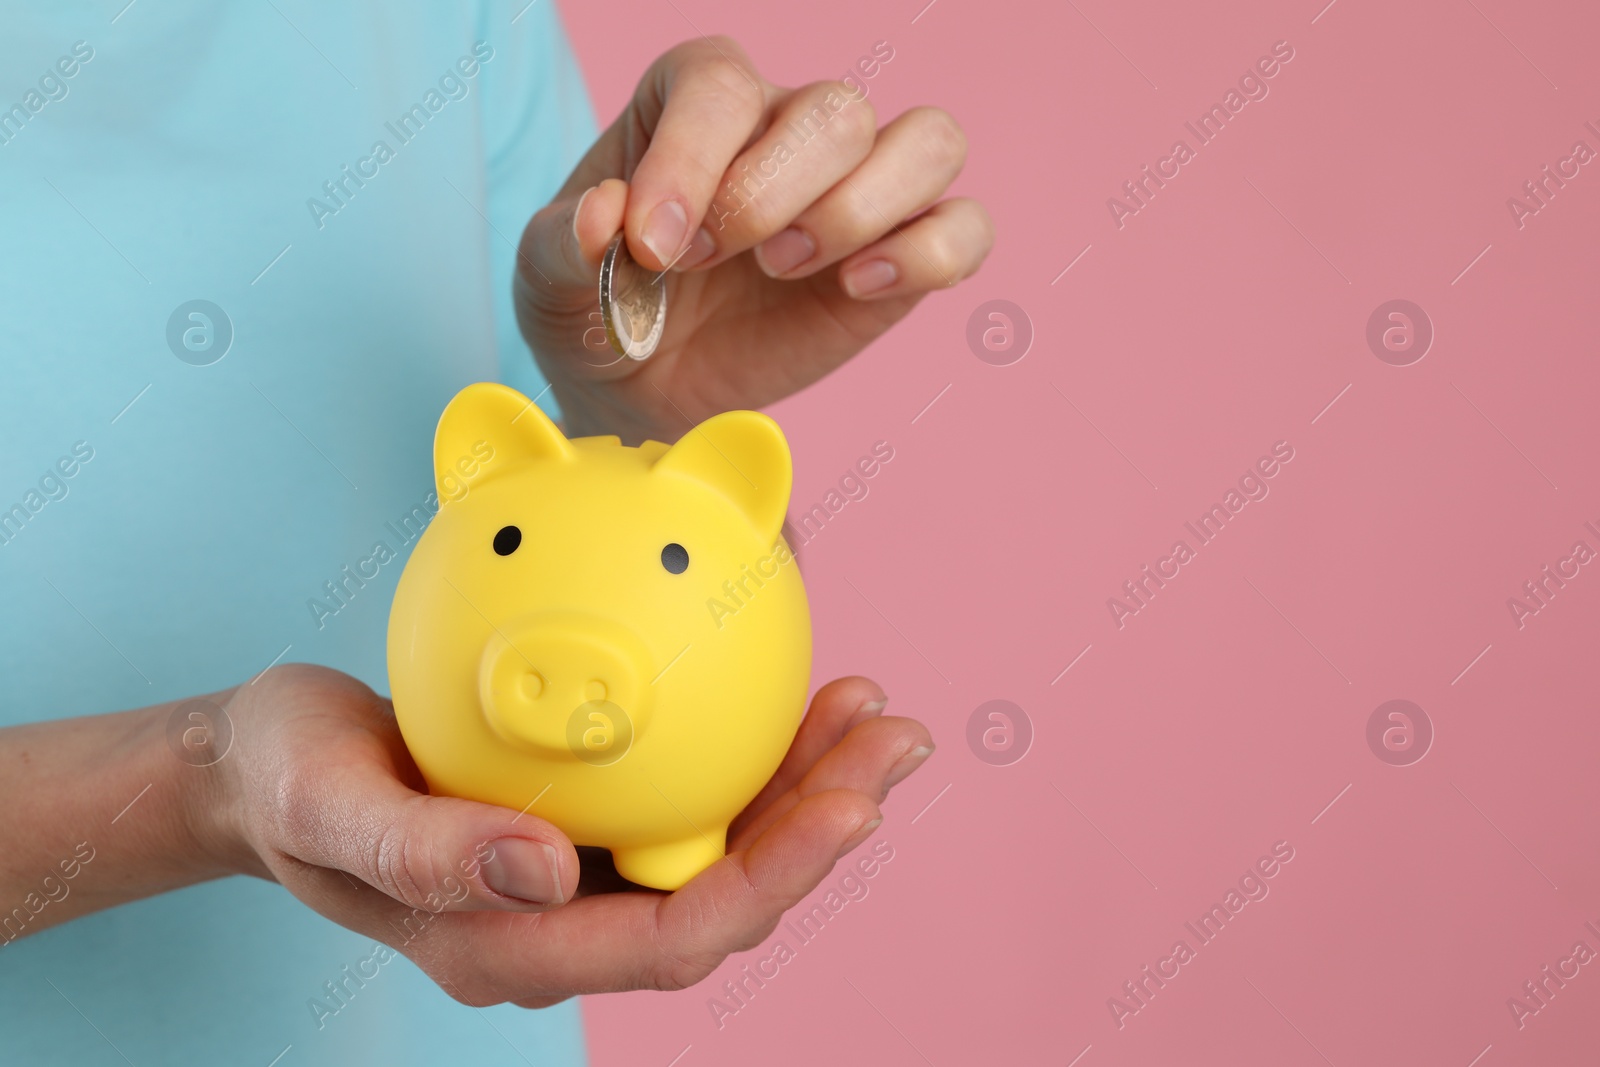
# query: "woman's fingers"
912, 163
873, 757
835, 709
817, 135
709, 161
621, 941
734, 904
934, 251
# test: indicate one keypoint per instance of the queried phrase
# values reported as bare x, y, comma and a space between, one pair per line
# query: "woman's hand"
842, 222
319, 793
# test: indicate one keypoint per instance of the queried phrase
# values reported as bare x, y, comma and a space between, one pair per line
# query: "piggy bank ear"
486, 428
743, 456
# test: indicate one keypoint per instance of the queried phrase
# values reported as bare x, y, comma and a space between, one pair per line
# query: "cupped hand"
795, 229
320, 794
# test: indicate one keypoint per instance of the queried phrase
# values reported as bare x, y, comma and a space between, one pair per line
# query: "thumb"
437, 853
558, 259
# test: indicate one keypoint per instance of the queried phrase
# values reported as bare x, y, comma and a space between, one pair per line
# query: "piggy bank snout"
566, 685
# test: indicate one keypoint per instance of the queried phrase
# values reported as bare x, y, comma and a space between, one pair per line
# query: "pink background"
1229, 713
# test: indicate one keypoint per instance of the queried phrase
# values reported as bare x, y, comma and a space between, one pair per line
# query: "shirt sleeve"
538, 122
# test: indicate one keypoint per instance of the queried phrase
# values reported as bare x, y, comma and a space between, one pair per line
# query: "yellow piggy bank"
615, 639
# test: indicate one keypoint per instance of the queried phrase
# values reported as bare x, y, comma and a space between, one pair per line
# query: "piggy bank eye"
507, 540
675, 558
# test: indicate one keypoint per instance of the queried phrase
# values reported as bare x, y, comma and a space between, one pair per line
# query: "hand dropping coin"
633, 302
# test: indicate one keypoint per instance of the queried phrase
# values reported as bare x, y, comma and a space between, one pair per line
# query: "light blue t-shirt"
343, 187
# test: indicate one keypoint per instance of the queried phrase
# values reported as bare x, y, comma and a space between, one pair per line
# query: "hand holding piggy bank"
615, 639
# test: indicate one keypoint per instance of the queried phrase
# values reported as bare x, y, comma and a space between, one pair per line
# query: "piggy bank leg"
670, 864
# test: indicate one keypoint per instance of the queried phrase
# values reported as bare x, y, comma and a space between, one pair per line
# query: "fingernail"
858, 837
700, 250
526, 870
664, 230
908, 763
783, 252
866, 711
577, 211
869, 277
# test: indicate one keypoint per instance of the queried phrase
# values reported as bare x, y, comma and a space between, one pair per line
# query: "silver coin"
633, 303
